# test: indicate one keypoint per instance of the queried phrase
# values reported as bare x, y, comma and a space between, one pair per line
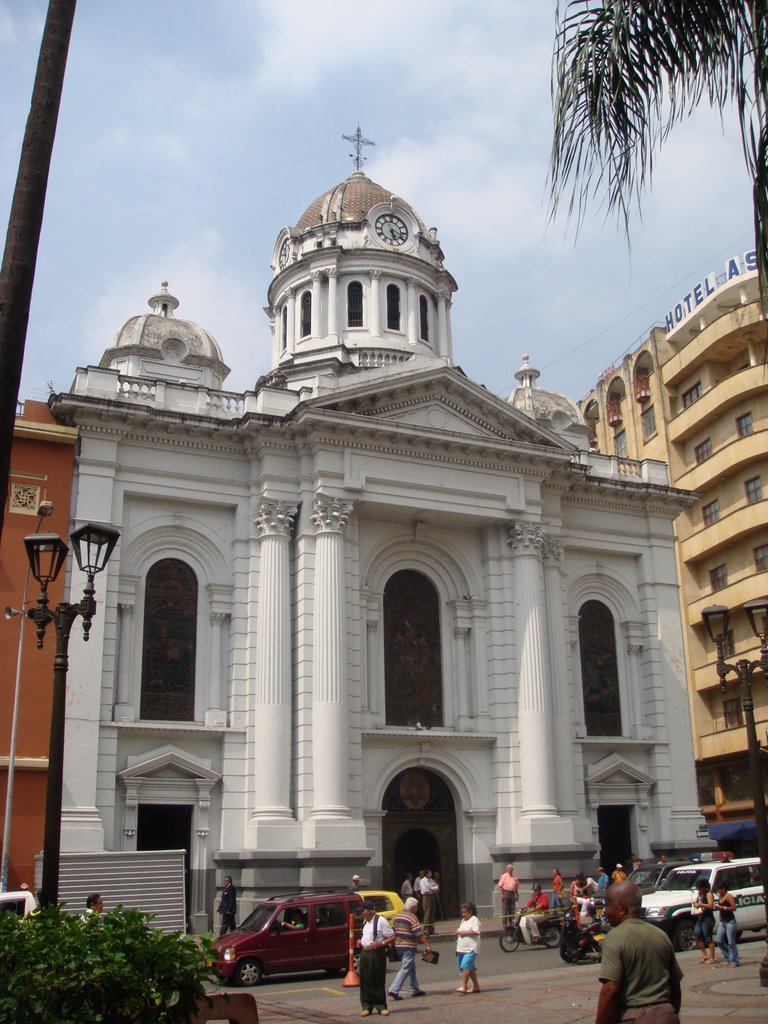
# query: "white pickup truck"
21, 903
670, 905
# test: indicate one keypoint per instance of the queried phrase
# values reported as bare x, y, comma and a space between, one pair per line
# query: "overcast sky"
192, 131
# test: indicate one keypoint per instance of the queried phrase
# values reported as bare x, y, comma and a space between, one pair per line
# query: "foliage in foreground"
106, 970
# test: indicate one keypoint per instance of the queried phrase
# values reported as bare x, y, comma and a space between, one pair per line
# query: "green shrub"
57, 969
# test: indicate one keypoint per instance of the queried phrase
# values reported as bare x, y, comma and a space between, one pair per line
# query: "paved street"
530, 984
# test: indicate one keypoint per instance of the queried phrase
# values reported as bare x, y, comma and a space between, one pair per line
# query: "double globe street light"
47, 553
716, 620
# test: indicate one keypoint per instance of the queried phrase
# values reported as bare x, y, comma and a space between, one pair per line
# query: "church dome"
548, 407
159, 345
350, 202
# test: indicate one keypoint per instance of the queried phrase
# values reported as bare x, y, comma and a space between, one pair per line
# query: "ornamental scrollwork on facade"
275, 519
526, 538
330, 515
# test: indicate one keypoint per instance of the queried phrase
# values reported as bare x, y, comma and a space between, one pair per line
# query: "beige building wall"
697, 398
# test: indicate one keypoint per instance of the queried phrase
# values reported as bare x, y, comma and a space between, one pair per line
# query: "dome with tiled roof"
349, 202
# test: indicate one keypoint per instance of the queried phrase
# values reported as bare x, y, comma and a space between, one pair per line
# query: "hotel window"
761, 558
306, 314
718, 577
703, 451
423, 318
744, 424
729, 644
355, 304
620, 442
732, 713
711, 513
754, 490
393, 307
649, 422
692, 395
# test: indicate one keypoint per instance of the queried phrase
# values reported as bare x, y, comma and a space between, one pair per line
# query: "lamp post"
716, 620
44, 510
47, 553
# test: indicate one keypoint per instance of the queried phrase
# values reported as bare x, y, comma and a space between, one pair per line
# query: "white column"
464, 696
317, 277
374, 304
290, 340
413, 312
371, 633
537, 755
333, 313
215, 715
442, 345
123, 711
633, 641
330, 724
561, 705
272, 683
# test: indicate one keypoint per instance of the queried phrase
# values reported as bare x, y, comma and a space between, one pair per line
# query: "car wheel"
682, 937
509, 941
550, 935
249, 972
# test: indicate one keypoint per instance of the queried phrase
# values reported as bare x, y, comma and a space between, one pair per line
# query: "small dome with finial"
548, 407
160, 346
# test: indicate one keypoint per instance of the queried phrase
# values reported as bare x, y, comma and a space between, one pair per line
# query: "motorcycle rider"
537, 905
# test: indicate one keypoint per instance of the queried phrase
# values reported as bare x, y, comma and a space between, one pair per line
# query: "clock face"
391, 229
285, 251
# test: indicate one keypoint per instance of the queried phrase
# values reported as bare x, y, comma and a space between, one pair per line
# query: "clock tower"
359, 285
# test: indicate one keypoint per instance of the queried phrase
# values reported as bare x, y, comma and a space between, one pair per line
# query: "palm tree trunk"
21, 244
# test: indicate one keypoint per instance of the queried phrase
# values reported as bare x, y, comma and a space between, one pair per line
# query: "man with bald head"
639, 972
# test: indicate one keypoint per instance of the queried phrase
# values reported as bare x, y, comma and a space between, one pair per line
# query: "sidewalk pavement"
563, 995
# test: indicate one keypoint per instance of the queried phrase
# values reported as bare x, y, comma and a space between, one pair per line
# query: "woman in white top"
467, 947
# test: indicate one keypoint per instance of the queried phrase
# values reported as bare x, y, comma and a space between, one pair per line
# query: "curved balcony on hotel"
713, 403
726, 460
747, 586
738, 521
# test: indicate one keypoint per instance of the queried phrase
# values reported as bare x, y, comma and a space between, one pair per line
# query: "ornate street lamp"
47, 553
716, 620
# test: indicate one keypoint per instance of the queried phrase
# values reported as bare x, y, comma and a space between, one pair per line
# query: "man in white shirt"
377, 935
429, 890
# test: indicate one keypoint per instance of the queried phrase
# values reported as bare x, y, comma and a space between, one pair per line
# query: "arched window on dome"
169, 642
423, 318
284, 327
393, 307
599, 670
413, 674
354, 304
306, 314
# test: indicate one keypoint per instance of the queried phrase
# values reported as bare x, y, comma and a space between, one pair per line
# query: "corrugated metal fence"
148, 880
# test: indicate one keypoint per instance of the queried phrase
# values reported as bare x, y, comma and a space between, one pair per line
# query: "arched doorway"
419, 831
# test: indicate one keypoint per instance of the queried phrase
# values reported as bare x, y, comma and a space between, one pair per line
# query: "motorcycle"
582, 941
549, 932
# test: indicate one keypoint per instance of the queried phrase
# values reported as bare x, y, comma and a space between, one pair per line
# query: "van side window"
330, 915
293, 919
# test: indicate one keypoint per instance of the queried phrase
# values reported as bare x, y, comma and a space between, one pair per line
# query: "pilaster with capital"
216, 702
442, 345
374, 306
537, 754
317, 284
552, 554
333, 314
634, 641
413, 311
123, 710
330, 517
290, 340
272, 683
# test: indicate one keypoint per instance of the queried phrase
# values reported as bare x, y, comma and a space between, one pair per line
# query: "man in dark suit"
228, 906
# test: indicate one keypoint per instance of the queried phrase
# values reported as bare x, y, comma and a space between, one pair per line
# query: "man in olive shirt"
639, 971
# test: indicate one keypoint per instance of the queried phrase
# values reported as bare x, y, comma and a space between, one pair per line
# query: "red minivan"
303, 932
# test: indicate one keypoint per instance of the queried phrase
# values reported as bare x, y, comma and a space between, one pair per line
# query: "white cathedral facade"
367, 617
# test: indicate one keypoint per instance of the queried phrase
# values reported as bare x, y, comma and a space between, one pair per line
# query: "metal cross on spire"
358, 140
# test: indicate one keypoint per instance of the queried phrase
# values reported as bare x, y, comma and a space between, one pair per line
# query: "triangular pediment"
436, 402
169, 765
615, 770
